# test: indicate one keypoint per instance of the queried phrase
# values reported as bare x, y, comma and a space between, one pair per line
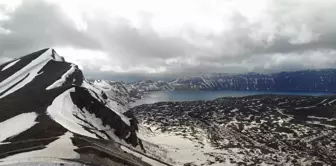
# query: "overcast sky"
170, 37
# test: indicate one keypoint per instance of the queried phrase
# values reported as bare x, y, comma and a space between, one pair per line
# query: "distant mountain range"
323, 80
303, 81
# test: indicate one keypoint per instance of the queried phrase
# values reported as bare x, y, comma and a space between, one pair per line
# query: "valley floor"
254, 130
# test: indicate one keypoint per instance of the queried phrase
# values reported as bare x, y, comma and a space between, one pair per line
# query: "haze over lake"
159, 96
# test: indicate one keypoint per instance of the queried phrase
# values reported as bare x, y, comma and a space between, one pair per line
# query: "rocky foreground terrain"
255, 130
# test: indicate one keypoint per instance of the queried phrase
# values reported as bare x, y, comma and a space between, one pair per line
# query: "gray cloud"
37, 24
288, 36
143, 46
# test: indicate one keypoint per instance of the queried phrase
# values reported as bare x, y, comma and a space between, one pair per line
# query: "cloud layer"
174, 37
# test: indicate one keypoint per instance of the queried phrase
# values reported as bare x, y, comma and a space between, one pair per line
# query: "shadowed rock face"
68, 118
269, 129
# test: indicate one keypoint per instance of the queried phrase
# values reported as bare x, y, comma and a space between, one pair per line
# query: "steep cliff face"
50, 112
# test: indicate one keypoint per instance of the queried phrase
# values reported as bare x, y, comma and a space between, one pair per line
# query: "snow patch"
308, 107
322, 101
102, 83
234, 110
10, 64
332, 101
142, 157
62, 148
61, 81
321, 118
41, 162
181, 150
17, 125
57, 57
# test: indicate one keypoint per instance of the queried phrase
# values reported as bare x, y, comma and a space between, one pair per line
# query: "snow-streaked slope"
50, 113
63, 111
117, 107
79, 120
62, 148
103, 84
149, 85
10, 64
16, 125
26, 74
117, 91
64, 77
94, 91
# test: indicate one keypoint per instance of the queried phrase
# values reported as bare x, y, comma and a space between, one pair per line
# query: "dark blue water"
154, 97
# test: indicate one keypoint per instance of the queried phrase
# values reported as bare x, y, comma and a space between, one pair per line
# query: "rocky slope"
51, 114
118, 90
149, 85
254, 130
308, 80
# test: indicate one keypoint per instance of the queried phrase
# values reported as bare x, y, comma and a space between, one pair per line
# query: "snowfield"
10, 64
21, 123
63, 79
62, 148
181, 150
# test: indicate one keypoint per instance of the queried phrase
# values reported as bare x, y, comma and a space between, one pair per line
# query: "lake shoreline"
173, 96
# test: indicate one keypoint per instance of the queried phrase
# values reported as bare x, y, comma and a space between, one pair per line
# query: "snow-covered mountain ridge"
118, 90
51, 113
307, 80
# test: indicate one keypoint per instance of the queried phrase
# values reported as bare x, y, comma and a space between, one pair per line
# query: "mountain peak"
51, 53
55, 56
45, 98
